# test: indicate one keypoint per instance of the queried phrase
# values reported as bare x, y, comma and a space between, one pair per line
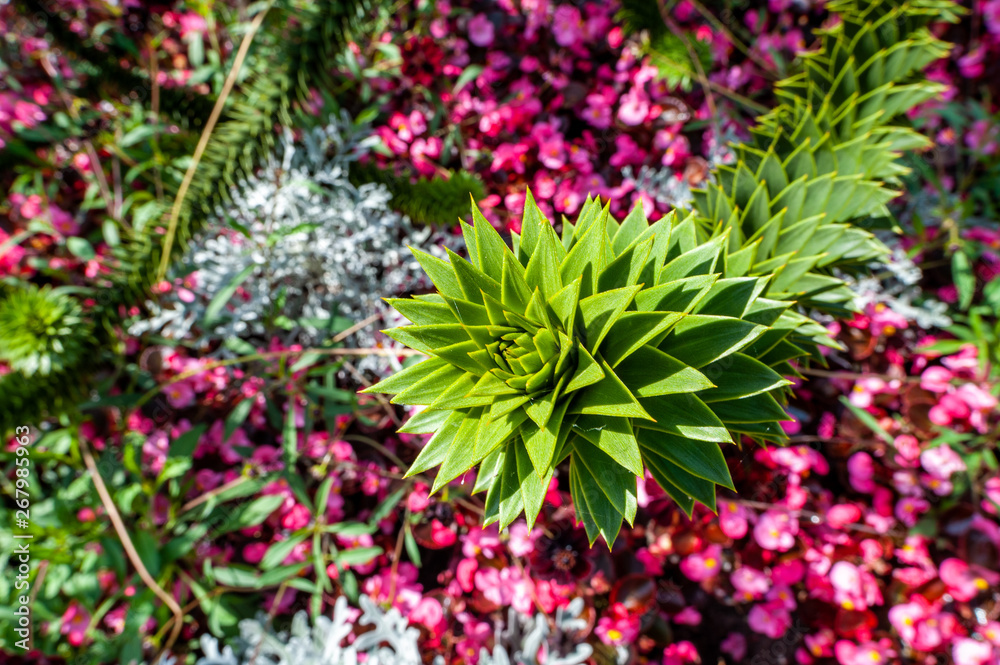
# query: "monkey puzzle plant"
618, 346
812, 181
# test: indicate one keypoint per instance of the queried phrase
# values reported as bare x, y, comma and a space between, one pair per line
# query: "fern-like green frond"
437, 201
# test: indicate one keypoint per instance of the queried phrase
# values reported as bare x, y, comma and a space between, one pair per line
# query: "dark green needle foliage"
618, 346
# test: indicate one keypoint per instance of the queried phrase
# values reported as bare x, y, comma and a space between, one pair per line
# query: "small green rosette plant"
42, 330
618, 346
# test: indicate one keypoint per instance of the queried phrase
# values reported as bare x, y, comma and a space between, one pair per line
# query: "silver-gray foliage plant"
390, 642
525, 640
314, 246
895, 283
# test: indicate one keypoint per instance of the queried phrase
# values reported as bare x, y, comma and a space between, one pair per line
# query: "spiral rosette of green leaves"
42, 330
618, 346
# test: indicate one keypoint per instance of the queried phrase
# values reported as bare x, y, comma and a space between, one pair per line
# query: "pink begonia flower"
426, 148
180, 394
115, 619
966, 360
634, 108
74, 623
909, 509
481, 30
782, 595
418, 499
408, 590
950, 408
941, 462
702, 565
991, 14
965, 582
908, 447
650, 561
276, 603
401, 124
681, 653
788, 573
983, 137
732, 519
567, 199
776, 530
980, 402
597, 112
749, 583
967, 651
465, 573
854, 588
627, 151
800, 459
11, 255
936, 379
865, 390
991, 632
551, 153
618, 626
510, 156
392, 141
296, 518
514, 202
935, 630
820, 645
871, 550
254, 552
866, 653
861, 470
735, 644
521, 540
842, 514
567, 25
481, 541
905, 617
62, 221
991, 489
885, 321
155, 449
429, 613
971, 64
771, 619
441, 535
418, 123
689, 616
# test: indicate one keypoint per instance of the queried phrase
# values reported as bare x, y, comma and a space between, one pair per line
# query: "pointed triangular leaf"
608, 397
600, 311
699, 340
433, 453
649, 372
615, 437
700, 458
404, 378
